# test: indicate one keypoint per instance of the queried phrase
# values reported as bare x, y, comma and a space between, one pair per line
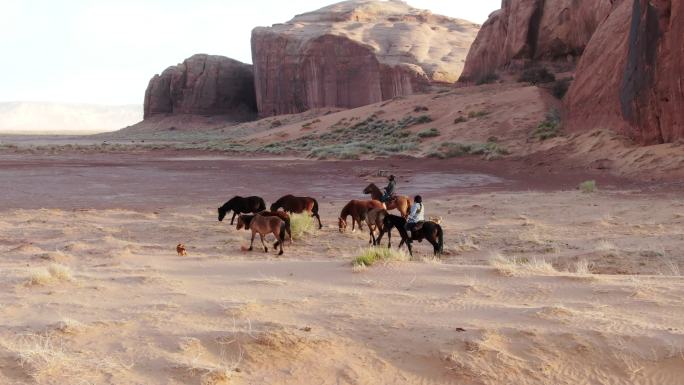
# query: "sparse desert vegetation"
550, 127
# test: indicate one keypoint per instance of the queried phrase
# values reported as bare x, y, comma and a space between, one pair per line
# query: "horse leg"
262, 242
281, 242
233, 218
251, 244
320, 225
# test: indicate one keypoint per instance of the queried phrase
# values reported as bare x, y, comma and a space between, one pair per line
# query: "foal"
263, 226
358, 211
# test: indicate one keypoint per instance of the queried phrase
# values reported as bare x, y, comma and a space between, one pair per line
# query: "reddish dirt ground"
158, 179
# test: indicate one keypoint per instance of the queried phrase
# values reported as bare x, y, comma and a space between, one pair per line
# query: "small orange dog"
180, 249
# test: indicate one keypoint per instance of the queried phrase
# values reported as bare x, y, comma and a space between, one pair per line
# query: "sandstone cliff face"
630, 78
355, 53
524, 31
203, 85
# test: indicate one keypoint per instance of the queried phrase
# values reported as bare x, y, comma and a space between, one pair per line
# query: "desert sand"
540, 284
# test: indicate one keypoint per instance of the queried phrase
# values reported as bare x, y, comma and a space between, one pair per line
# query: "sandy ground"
538, 285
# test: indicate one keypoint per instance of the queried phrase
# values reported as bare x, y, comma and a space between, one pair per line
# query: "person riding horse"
416, 215
389, 190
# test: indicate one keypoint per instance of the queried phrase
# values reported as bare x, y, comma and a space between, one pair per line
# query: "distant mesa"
355, 53
524, 32
203, 85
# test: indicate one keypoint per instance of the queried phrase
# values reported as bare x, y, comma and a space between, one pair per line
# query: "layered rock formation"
203, 85
355, 53
631, 76
525, 31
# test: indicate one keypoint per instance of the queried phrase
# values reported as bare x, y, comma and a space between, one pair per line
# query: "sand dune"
536, 288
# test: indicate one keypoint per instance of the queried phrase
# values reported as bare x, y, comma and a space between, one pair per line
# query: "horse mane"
231, 201
346, 210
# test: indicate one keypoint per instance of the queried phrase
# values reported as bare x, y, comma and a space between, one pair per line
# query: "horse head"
222, 211
343, 225
370, 189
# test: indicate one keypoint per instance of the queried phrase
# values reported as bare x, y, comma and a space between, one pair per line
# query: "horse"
239, 205
358, 210
285, 217
399, 202
263, 226
375, 220
429, 230
293, 204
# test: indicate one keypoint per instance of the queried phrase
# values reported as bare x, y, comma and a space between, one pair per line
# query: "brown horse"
375, 220
399, 202
357, 210
285, 217
263, 226
293, 204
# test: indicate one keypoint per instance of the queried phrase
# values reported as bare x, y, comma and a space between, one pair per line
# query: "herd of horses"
253, 215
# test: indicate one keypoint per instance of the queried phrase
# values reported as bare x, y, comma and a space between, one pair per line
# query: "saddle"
419, 226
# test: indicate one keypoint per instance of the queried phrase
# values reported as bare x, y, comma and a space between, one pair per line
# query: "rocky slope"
203, 85
525, 31
355, 53
630, 78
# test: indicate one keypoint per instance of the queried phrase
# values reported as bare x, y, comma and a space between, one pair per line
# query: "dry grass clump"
583, 267
55, 273
70, 326
518, 267
369, 256
302, 225
47, 360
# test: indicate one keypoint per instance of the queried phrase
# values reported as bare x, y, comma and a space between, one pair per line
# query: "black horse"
429, 230
239, 205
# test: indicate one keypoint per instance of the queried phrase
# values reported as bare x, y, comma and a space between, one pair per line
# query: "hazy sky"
105, 51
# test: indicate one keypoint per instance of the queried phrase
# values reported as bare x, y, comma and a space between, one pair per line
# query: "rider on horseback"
389, 190
416, 215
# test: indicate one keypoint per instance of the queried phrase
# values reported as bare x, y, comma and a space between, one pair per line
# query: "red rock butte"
630, 78
525, 31
355, 53
203, 85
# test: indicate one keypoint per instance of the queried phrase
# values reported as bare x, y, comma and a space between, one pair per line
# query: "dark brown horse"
430, 231
285, 217
358, 211
399, 202
263, 226
239, 205
375, 221
297, 205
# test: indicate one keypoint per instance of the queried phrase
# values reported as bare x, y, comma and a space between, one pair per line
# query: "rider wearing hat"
389, 190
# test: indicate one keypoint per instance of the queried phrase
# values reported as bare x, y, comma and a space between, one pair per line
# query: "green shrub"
302, 225
588, 186
477, 114
423, 119
489, 150
549, 127
560, 87
460, 119
420, 109
368, 257
537, 75
431, 133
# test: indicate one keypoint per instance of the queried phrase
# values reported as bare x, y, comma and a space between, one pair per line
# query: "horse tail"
440, 236
283, 230
314, 210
